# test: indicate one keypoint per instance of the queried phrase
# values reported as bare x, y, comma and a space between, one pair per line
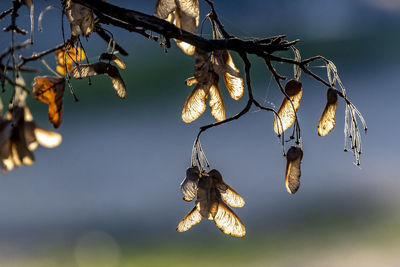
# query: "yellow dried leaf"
50, 90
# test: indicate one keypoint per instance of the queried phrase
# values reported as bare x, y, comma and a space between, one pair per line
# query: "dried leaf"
327, 121
293, 170
67, 59
50, 90
287, 111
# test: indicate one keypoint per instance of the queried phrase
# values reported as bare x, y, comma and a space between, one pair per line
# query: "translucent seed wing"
216, 102
89, 70
117, 81
190, 81
232, 198
187, 18
195, 104
227, 221
293, 170
164, 8
47, 138
191, 219
190, 184
287, 111
233, 81
113, 58
327, 121
84, 71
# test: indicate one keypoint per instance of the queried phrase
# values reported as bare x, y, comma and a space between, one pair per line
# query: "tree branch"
126, 18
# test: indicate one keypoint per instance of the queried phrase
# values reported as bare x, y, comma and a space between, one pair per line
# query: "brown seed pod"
211, 194
293, 171
89, 70
327, 121
287, 111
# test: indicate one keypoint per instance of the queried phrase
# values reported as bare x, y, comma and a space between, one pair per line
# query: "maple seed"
293, 170
212, 193
287, 111
327, 121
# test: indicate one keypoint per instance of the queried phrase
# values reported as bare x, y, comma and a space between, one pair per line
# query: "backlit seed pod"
184, 14
287, 111
293, 170
211, 206
81, 19
207, 84
327, 121
190, 183
230, 196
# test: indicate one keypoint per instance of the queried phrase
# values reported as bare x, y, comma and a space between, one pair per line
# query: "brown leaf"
50, 90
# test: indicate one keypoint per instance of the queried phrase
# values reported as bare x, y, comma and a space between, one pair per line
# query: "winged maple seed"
293, 171
20, 136
113, 58
89, 70
327, 121
80, 17
66, 59
288, 108
50, 90
183, 14
206, 75
211, 192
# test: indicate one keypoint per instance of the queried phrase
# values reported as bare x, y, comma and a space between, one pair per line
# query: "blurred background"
109, 195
